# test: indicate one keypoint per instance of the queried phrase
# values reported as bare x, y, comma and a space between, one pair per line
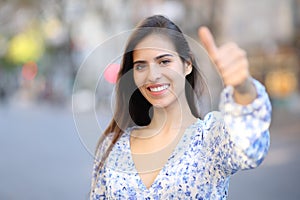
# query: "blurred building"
269, 31
59, 35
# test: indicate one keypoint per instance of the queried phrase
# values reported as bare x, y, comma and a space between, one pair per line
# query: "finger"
230, 49
208, 41
235, 69
228, 58
236, 81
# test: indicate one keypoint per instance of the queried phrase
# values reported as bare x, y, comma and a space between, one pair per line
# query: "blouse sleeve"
246, 129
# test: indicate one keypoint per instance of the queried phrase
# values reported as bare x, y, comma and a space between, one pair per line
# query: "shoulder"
107, 139
106, 142
214, 118
214, 128
120, 155
102, 146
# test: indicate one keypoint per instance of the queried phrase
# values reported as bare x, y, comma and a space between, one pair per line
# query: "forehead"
154, 43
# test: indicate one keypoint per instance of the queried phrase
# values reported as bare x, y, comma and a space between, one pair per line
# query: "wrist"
245, 93
244, 87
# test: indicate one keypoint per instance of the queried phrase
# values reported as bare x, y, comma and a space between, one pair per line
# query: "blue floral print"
209, 152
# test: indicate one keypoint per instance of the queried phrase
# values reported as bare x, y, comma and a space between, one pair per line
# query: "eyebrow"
161, 56
156, 58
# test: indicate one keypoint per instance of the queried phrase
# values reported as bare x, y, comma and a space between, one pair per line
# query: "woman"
157, 146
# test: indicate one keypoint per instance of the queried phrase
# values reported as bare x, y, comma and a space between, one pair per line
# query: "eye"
165, 62
139, 67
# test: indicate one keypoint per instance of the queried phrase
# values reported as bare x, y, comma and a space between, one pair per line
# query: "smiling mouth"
158, 88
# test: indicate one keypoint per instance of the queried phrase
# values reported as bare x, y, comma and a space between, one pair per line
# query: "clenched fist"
232, 64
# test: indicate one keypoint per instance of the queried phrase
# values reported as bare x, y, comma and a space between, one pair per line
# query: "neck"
176, 116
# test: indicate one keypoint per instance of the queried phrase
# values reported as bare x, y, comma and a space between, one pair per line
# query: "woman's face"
158, 71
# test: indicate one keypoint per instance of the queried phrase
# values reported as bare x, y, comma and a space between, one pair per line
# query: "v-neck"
164, 167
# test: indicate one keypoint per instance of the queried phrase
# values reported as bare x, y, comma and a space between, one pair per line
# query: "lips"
158, 87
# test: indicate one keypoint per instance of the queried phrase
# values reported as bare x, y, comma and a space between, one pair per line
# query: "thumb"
208, 41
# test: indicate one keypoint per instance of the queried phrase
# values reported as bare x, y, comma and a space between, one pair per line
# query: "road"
43, 157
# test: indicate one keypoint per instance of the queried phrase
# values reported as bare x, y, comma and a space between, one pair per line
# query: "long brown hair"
131, 108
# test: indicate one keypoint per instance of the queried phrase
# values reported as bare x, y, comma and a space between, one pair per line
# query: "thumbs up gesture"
232, 64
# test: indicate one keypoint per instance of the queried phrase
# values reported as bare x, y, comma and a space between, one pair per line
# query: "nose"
154, 72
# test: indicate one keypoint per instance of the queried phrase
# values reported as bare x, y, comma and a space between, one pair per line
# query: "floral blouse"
210, 150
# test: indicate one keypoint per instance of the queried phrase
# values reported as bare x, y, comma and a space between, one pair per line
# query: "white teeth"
158, 89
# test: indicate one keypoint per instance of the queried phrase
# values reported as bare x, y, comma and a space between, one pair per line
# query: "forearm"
247, 126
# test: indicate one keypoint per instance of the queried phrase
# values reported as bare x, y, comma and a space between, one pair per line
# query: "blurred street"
42, 157
54, 51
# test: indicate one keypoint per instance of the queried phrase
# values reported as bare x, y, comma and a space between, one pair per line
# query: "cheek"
175, 73
138, 79
177, 69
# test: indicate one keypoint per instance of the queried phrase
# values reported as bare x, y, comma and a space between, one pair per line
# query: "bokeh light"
111, 73
280, 83
25, 46
29, 70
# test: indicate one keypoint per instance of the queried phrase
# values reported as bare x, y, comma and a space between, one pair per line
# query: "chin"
164, 103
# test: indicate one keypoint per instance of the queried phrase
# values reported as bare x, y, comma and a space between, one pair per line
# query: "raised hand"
232, 64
